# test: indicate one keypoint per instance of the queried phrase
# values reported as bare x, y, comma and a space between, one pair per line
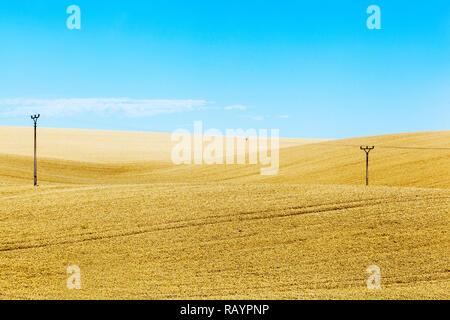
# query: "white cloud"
236, 107
123, 106
254, 117
284, 116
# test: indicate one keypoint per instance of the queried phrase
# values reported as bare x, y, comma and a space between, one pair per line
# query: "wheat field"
140, 227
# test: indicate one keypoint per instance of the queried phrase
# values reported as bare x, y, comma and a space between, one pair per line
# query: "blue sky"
308, 68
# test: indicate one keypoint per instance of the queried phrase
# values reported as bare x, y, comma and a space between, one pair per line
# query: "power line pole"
35, 118
367, 149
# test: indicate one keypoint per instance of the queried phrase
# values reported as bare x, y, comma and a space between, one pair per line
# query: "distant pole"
35, 118
367, 149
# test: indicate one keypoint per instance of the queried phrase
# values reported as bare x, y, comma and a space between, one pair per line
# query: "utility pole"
35, 118
367, 149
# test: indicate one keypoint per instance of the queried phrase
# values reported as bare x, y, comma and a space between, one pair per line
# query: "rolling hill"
140, 227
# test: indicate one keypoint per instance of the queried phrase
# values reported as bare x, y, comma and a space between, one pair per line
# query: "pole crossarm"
367, 149
35, 118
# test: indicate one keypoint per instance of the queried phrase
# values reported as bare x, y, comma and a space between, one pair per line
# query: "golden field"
140, 227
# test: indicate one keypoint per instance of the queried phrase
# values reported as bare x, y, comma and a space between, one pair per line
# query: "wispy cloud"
107, 106
284, 116
236, 107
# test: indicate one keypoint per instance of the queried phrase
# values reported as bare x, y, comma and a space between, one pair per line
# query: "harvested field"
141, 228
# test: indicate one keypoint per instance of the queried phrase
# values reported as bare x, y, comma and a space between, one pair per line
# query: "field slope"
140, 227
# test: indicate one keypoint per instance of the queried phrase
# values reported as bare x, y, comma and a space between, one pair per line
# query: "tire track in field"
310, 210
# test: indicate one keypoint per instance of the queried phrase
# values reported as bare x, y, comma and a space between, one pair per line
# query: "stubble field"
141, 228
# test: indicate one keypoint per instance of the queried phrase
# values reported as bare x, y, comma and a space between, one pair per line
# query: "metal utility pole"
35, 118
367, 149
